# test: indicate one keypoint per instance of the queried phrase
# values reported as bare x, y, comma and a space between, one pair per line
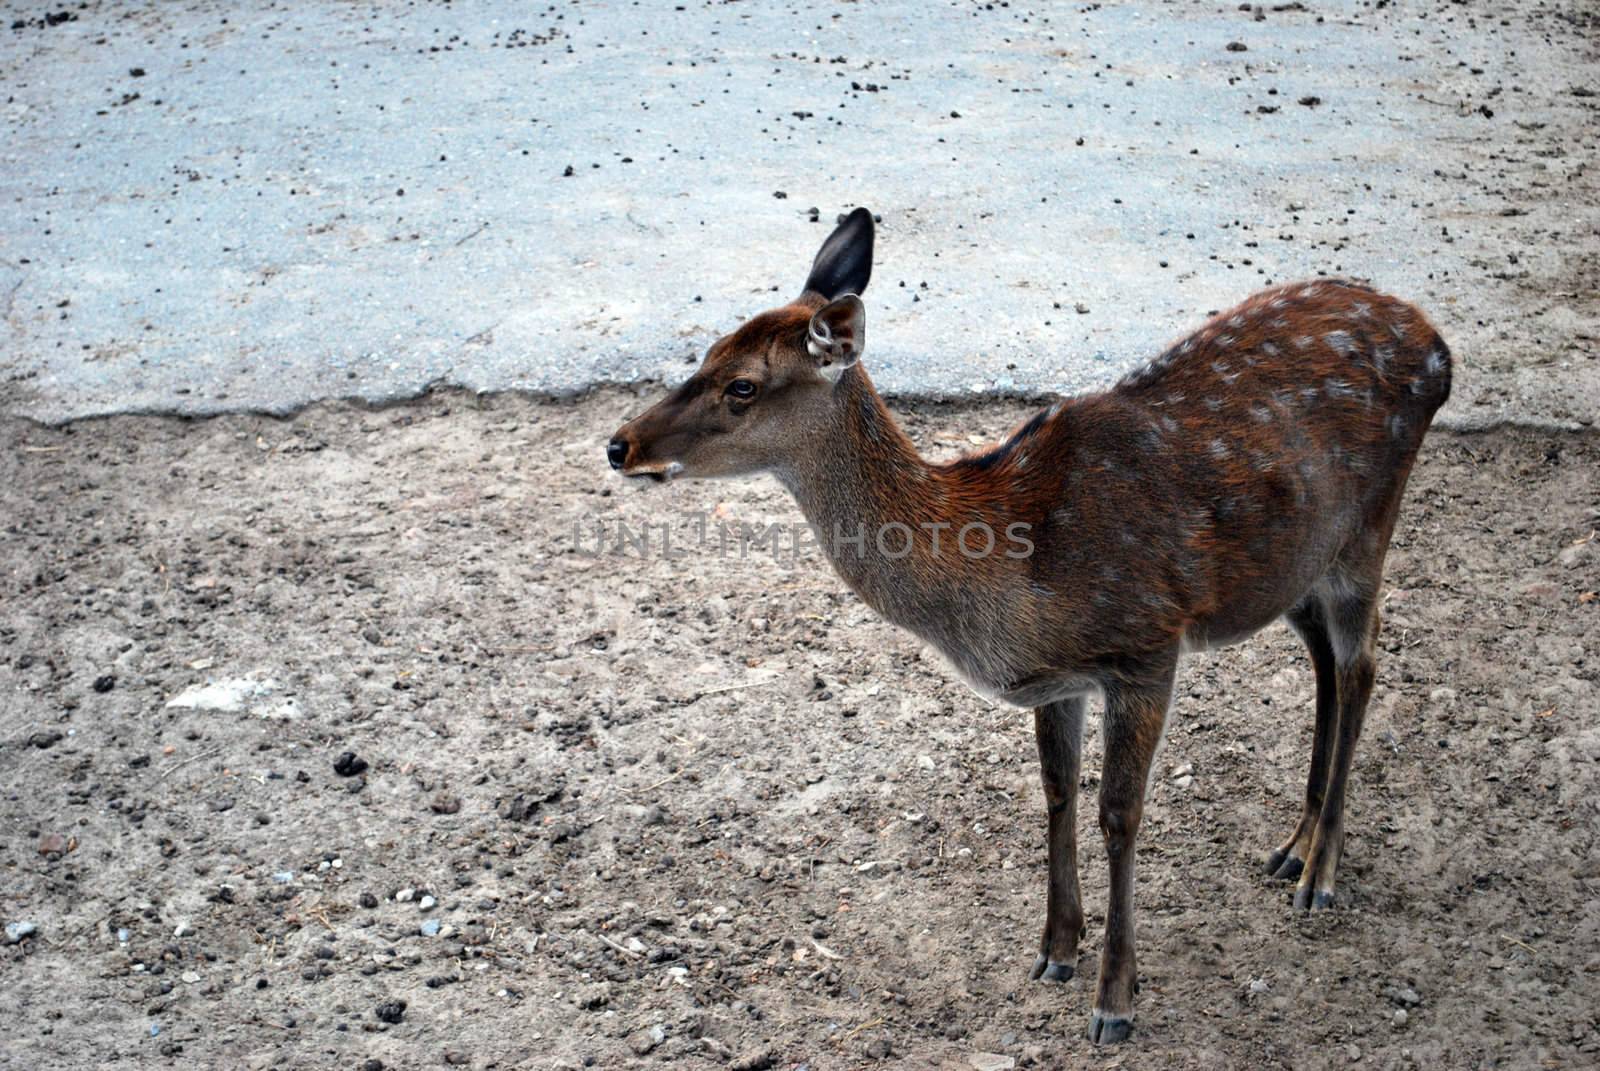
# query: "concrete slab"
218, 206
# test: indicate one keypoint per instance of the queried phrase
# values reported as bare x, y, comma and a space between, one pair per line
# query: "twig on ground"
624, 949
170, 770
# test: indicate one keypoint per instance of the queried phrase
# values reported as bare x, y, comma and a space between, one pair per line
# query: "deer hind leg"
1059, 729
1349, 599
1309, 620
1136, 713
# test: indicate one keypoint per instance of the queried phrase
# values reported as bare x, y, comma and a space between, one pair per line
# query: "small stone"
592, 997
190, 977
1238, 46
390, 1011
1259, 985
1184, 782
1403, 995
404, 895
46, 738
426, 903
456, 1058
348, 765
52, 844
1353, 1051
643, 1041
991, 1061
429, 928
444, 803
368, 901
105, 683
753, 1060
183, 929
1400, 1017
879, 1049
17, 932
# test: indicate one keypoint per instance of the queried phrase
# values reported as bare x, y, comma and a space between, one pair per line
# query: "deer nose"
616, 453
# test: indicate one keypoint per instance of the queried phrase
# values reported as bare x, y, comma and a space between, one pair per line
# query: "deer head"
760, 393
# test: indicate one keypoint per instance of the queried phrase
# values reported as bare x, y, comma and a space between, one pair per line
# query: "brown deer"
1253, 471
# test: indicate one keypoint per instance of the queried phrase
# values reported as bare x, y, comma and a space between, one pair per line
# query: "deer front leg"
1136, 713
1059, 730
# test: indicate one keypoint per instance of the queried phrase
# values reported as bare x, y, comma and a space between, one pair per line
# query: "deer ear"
844, 263
837, 334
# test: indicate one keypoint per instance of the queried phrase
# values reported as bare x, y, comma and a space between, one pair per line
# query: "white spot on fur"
1341, 342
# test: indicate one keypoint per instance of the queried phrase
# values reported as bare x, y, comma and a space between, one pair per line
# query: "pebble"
426, 903
429, 928
1400, 1017
592, 997
1184, 782
991, 1061
17, 932
182, 929
404, 895
753, 1060
645, 1040
1403, 995
1259, 985
190, 977
52, 843
390, 1011
879, 1048
348, 765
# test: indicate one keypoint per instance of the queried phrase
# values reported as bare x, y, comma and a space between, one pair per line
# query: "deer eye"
742, 388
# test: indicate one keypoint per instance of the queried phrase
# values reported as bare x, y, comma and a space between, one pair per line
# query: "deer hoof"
1109, 1029
1046, 969
1308, 899
1284, 866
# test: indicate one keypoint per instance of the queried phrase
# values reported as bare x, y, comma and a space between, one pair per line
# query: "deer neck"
865, 491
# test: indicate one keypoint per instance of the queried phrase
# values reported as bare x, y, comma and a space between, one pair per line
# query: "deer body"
1253, 471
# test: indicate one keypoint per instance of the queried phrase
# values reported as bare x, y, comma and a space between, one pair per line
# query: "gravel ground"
331, 741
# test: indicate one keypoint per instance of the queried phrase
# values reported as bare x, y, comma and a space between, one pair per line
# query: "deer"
1251, 472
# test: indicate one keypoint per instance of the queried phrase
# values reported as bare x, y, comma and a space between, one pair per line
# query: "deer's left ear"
844, 263
837, 335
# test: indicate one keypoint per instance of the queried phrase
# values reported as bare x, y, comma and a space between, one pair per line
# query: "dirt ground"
621, 809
